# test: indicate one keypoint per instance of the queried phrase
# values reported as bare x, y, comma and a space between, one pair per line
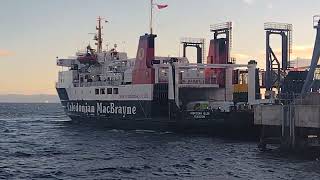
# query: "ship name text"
100, 108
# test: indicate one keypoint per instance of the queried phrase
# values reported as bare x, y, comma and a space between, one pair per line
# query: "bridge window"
115, 91
109, 90
96, 91
102, 91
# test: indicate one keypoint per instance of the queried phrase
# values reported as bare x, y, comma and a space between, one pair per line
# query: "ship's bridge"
67, 62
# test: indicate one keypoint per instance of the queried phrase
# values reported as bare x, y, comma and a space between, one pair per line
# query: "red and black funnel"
143, 72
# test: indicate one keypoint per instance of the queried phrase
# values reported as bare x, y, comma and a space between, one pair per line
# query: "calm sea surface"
37, 141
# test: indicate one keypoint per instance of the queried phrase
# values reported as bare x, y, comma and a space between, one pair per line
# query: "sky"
34, 32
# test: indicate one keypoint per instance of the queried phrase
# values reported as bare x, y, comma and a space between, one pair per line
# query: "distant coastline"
20, 98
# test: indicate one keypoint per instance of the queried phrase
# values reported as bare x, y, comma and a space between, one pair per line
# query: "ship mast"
151, 16
99, 36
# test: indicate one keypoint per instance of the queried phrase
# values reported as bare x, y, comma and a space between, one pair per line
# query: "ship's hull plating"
149, 115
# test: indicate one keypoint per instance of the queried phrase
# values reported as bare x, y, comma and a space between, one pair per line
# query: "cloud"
302, 47
5, 53
240, 56
302, 51
270, 6
249, 2
298, 51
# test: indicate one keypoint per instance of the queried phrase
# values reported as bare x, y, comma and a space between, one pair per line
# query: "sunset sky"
34, 32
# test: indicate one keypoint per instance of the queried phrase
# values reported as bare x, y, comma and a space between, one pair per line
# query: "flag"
161, 6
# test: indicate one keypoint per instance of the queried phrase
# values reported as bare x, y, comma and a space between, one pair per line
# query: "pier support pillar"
229, 90
171, 83
252, 65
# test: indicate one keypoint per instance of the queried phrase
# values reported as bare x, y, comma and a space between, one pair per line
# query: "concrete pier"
293, 126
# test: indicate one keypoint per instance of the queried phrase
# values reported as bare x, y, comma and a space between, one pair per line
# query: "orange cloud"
241, 56
302, 52
4, 53
299, 51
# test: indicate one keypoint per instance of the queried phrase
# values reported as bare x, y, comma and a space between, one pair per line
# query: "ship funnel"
219, 51
217, 55
143, 72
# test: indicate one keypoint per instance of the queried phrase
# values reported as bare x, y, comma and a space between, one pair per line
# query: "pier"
291, 118
292, 126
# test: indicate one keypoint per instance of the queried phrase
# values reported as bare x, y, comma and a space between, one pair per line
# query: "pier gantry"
315, 58
275, 69
198, 43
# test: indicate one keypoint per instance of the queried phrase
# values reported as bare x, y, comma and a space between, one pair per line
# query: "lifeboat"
89, 57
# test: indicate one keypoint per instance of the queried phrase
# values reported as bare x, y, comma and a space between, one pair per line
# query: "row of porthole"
109, 91
103, 91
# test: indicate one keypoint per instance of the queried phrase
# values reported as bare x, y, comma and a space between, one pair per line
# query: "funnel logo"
141, 54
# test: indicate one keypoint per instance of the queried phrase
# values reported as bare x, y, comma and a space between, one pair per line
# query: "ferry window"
115, 91
109, 90
102, 91
97, 91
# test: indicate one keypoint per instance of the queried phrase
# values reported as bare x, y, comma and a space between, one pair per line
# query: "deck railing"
98, 83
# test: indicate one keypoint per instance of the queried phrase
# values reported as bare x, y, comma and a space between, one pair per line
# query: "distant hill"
19, 98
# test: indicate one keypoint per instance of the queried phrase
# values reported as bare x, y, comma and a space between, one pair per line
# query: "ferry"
161, 93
